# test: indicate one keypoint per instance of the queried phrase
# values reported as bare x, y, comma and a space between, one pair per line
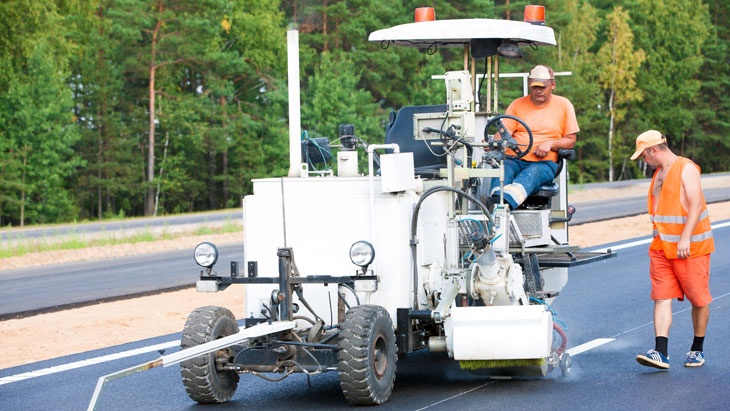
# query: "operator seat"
540, 200
427, 159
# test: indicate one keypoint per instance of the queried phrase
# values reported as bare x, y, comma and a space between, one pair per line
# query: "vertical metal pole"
466, 57
488, 104
285, 305
295, 122
496, 84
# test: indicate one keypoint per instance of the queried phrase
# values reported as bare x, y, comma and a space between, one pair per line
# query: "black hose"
414, 228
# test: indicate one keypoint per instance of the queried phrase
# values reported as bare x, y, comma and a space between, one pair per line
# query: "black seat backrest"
400, 131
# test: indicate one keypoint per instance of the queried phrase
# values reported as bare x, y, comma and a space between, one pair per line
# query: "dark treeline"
113, 108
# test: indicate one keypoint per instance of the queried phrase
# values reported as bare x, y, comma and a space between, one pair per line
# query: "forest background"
113, 108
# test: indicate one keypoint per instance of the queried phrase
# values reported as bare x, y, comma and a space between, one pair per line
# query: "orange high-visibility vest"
670, 217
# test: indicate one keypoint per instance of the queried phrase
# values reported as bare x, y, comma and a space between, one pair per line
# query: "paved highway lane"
605, 302
127, 224
49, 287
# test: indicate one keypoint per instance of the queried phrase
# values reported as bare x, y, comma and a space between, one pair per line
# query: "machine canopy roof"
456, 33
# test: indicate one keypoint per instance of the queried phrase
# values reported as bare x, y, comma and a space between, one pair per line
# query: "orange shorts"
677, 278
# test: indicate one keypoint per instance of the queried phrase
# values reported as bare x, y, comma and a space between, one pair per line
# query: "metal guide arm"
258, 330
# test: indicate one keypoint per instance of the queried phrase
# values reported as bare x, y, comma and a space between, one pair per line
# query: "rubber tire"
203, 382
367, 355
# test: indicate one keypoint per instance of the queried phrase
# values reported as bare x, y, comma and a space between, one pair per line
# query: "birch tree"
621, 64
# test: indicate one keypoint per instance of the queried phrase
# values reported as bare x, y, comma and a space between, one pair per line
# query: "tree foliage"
673, 33
37, 128
621, 64
133, 107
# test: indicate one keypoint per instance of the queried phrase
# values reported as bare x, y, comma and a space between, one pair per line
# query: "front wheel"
204, 380
367, 355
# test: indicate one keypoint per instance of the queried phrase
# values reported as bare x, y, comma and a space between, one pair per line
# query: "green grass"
20, 246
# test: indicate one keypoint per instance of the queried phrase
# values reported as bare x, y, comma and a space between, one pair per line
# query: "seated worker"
554, 126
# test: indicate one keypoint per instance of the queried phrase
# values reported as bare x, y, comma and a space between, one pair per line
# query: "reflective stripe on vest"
671, 219
675, 238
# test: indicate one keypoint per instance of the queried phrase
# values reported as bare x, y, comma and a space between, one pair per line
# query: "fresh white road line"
88, 362
721, 225
622, 246
572, 352
588, 346
456, 396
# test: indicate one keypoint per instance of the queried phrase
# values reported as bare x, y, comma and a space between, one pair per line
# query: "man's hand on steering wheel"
506, 137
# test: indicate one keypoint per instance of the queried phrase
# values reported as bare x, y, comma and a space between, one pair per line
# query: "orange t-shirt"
551, 121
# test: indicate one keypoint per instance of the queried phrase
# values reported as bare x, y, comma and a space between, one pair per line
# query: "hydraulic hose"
414, 228
563, 337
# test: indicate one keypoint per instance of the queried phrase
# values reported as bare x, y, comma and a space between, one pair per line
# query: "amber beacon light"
535, 14
425, 14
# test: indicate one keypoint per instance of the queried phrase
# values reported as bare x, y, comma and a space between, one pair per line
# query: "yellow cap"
647, 139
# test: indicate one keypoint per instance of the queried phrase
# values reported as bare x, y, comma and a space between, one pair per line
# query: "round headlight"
362, 253
206, 255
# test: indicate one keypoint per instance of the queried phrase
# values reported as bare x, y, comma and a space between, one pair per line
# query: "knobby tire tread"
202, 382
359, 381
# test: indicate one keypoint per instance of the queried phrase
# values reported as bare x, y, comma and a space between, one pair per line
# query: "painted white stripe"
722, 225
456, 396
625, 245
589, 346
88, 362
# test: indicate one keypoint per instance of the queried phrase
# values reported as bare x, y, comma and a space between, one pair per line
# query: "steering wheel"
507, 141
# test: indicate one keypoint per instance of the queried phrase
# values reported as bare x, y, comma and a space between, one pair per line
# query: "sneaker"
653, 358
695, 359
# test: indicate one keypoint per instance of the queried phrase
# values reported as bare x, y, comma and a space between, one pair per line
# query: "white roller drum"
499, 332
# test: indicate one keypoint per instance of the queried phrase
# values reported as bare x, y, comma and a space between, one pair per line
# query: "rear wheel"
203, 378
367, 355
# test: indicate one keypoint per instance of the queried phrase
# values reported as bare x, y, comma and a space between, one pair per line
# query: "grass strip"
18, 247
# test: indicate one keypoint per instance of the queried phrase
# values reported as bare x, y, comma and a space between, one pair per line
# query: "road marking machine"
402, 258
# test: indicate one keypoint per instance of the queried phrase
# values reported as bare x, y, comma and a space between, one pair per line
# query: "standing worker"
680, 251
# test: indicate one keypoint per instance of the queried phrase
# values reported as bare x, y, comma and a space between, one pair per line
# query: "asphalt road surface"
50, 288
127, 224
605, 308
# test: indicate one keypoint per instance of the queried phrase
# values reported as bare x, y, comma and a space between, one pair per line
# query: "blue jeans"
522, 178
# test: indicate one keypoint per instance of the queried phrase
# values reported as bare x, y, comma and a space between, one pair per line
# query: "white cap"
538, 75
